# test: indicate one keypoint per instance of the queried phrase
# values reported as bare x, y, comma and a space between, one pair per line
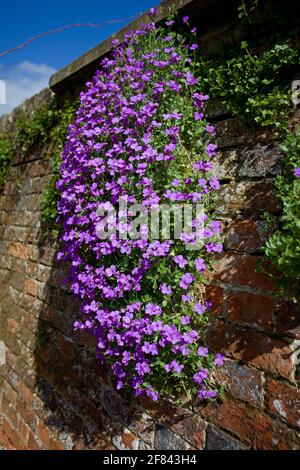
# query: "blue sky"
27, 70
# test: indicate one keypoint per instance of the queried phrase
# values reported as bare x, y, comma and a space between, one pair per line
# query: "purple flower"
185, 320
219, 360
202, 351
200, 376
214, 183
206, 394
199, 308
186, 297
210, 129
200, 265
185, 19
297, 172
193, 47
152, 394
150, 348
165, 289
198, 116
152, 309
186, 280
142, 368
180, 260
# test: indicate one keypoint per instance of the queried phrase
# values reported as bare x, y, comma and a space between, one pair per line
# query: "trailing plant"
283, 247
252, 86
5, 158
140, 137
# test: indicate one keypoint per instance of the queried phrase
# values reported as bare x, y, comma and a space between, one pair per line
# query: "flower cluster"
140, 134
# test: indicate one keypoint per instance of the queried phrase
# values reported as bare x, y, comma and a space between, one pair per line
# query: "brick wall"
55, 395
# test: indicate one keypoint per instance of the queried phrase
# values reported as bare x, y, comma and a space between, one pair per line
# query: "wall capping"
87, 63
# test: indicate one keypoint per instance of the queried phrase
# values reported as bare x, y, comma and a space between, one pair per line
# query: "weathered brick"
192, 429
17, 440
245, 235
251, 309
31, 287
247, 198
260, 350
126, 441
287, 318
24, 431
241, 270
241, 382
26, 393
250, 426
9, 411
10, 393
55, 444
259, 161
32, 443
65, 346
19, 250
215, 295
43, 434
219, 440
12, 325
233, 132
167, 440
284, 401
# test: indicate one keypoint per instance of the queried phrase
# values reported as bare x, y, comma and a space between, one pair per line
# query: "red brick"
284, 401
27, 414
3, 439
12, 325
18, 250
215, 295
65, 346
32, 443
241, 382
6, 426
23, 430
55, 444
192, 429
240, 270
287, 319
43, 434
25, 392
9, 411
245, 235
250, 426
31, 287
16, 440
10, 393
251, 309
260, 350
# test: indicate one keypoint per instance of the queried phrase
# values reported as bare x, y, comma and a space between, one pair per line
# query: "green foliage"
283, 247
251, 85
38, 128
48, 125
5, 158
63, 117
245, 12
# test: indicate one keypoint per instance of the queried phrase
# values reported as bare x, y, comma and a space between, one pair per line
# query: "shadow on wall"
79, 403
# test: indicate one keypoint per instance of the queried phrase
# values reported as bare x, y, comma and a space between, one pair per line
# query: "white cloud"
23, 81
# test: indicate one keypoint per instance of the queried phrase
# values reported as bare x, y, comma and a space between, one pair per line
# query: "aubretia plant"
140, 134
